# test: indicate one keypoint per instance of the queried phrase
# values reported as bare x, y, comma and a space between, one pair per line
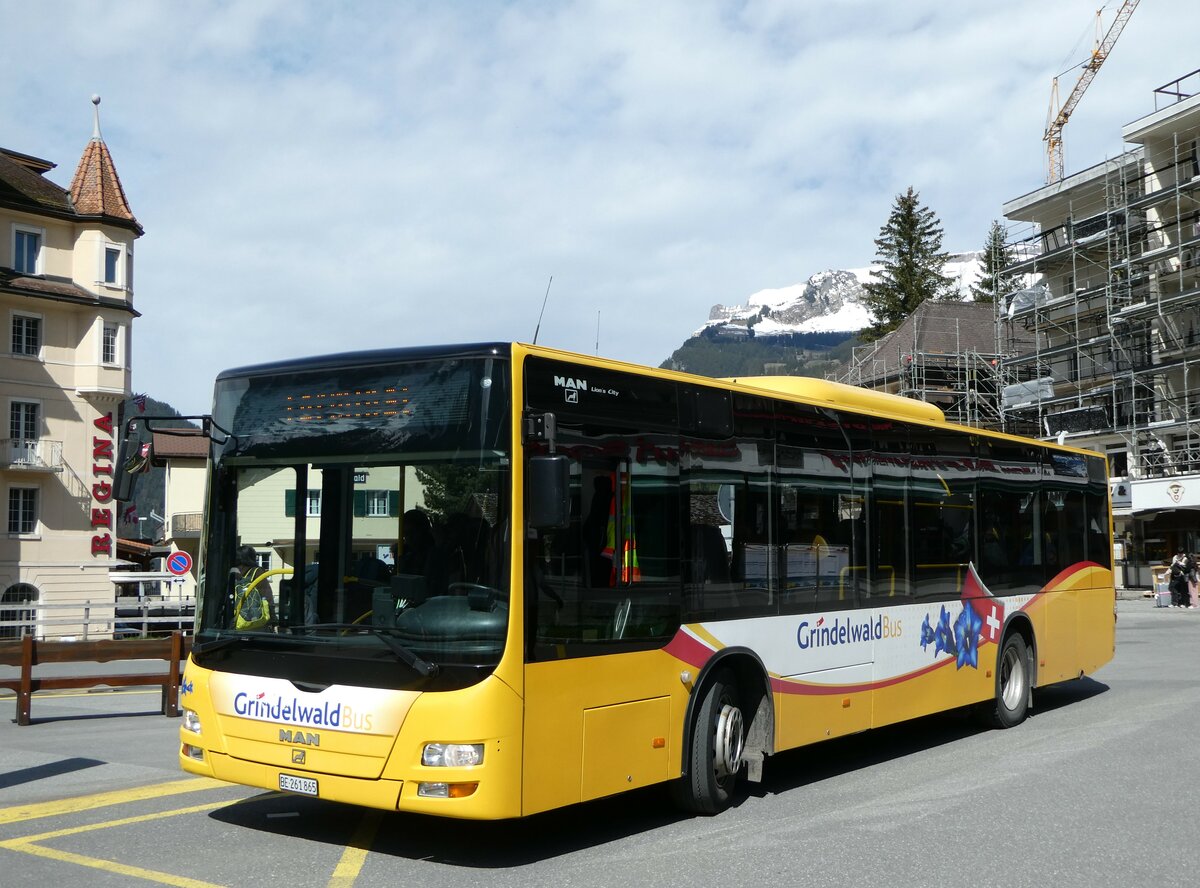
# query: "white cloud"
319, 178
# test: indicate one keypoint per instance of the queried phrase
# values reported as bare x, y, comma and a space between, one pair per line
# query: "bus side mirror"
133, 458
548, 491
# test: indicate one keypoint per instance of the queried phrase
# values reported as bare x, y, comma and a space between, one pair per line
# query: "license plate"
302, 785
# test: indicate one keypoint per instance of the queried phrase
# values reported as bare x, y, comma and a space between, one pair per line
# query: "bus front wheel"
715, 756
1013, 678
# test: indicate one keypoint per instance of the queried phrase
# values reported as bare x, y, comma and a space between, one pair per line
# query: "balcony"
186, 525
31, 455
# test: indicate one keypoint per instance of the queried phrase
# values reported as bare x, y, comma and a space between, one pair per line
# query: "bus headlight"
191, 721
452, 755
446, 790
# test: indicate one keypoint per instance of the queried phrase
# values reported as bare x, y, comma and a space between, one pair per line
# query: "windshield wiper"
206, 647
423, 667
224, 641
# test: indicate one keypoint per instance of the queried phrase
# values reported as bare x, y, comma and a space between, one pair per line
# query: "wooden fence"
29, 653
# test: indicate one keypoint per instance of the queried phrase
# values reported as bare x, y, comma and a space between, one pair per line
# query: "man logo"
571, 386
298, 756
1175, 491
571, 382
299, 738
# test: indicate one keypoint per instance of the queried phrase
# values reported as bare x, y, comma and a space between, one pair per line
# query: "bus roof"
809, 389
816, 391
367, 358
842, 395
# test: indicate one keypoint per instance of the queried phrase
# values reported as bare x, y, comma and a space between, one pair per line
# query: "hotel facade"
66, 301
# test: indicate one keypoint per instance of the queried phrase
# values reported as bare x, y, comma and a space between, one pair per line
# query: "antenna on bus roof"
597, 332
543, 311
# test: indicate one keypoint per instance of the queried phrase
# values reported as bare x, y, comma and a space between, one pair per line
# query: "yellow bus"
486, 581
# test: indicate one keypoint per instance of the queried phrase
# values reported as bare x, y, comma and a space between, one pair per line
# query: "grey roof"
23, 187
935, 328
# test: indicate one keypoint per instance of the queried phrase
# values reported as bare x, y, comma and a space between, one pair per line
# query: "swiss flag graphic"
979, 599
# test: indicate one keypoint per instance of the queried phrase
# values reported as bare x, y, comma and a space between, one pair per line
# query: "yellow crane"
1056, 120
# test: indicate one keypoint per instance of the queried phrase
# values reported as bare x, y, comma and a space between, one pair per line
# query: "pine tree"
448, 489
909, 249
997, 255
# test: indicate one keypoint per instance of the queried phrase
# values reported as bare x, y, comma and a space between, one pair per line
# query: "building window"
22, 510
112, 266
24, 429
108, 348
26, 335
377, 503
263, 560
27, 249
313, 509
15, 610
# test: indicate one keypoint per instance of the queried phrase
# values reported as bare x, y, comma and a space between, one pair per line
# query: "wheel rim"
728, 742
1012, 679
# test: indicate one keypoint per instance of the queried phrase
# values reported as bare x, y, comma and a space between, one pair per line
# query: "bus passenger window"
610, 579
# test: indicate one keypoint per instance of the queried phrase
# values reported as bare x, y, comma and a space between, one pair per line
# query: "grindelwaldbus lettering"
822, 634
295, 711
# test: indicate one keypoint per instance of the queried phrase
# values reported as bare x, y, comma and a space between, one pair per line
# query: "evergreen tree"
909, 249
997, 255
448, 489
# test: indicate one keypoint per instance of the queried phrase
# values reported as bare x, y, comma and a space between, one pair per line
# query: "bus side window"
889, 513
611, 578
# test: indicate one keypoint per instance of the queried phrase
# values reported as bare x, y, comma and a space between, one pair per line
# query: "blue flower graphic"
943, 638
966, 634
926, 633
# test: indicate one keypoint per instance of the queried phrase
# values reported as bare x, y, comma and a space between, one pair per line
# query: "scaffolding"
1115, 331
943, 354
1109, 305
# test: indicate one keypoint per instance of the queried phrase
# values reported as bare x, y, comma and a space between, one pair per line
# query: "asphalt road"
1098, 788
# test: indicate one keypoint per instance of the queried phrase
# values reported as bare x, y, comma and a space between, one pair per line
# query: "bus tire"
1013, 678
715, 757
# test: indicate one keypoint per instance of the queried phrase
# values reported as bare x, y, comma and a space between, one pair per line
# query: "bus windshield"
360, 515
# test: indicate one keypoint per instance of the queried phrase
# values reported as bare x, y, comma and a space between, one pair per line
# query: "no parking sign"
179, 563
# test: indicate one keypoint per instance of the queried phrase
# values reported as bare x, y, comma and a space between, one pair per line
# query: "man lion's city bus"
493, 580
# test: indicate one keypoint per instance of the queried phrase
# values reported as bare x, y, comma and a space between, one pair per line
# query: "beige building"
66, 301
185, 457
267, 521
1112, 361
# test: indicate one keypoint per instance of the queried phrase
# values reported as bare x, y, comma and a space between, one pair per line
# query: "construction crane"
1057, 120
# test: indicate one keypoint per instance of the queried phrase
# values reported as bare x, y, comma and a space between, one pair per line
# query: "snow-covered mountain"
827, 301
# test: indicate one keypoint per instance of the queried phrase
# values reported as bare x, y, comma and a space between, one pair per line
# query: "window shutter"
289, 504
393, 503
360, 504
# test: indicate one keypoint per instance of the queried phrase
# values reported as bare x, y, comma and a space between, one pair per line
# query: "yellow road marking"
26, 845
111, 866
344, 875
19, 813
355, 854
107, 824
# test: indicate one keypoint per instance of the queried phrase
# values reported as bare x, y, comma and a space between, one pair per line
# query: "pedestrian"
1193, 581
1177, 580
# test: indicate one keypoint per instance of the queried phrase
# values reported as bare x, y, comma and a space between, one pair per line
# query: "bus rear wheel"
1013, 678
715, 756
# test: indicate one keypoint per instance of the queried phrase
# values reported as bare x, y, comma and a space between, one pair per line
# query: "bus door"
603, 599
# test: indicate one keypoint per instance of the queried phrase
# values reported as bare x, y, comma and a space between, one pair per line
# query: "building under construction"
1101, 338
944, 353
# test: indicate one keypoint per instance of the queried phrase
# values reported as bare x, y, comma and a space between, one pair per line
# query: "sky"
317, 177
